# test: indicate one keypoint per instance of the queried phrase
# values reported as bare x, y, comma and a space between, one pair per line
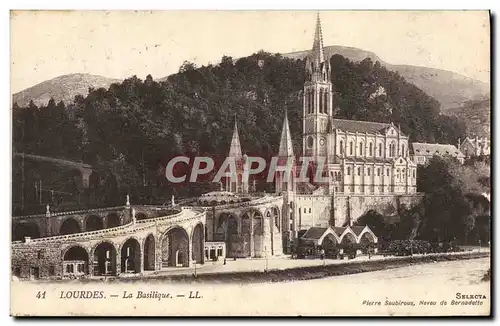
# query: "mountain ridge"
61, 88
451, 89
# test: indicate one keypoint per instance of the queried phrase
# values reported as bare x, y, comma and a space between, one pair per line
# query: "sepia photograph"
250, 163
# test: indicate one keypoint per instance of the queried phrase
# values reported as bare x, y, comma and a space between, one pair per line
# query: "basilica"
364, 165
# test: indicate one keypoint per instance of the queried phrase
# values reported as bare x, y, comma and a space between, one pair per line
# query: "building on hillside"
475, 146
423, 152
362, 157
364, 165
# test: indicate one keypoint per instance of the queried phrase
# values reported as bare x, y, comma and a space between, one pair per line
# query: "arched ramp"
131, 256
105, 259
75, 261
149, 253
69, 226
198, 244
22, 230
175, 248
93, 223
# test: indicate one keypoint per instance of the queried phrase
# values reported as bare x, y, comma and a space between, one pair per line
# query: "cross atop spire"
235, 149
318, 55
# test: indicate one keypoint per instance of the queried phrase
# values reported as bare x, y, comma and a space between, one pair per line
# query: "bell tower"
317, 108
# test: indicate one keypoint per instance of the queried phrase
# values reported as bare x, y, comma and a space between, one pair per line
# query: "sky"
119, 44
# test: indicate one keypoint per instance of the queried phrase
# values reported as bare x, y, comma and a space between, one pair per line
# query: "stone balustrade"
84, 211
81, 235
258, 201
144, 224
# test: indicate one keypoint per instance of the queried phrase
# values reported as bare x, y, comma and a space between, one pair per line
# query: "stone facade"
134, 246
423, 152
250, 229
364, 165
475, 146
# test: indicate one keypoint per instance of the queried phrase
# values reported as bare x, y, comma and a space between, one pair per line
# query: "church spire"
235, 149
286, 146
318, 55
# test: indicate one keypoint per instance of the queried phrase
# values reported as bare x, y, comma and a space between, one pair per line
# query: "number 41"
40, 295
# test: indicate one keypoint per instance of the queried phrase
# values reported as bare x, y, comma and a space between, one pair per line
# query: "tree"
143, 124
447, 211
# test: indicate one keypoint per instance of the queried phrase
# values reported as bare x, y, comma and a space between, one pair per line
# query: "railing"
144, 225
78, 235
259, 201
159, 218
84, 211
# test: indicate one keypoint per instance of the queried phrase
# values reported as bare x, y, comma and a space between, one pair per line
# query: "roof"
369, 160
481, 141
235, 149
286, 146
436, 149
314, 233
359, 126
317, 49
339, 230
357, 229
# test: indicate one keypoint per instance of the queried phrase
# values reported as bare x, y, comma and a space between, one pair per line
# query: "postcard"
250, 163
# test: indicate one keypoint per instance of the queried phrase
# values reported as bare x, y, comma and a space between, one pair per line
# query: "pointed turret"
285, 170
317, 67
318, 55
235, 149
286, 146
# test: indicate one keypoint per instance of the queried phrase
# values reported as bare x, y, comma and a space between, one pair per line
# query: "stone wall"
46, 257
316, 210
258, 235
46, 254
350, 208
312, 210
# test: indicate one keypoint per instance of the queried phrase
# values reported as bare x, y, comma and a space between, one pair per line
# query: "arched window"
370, 148
361, 149
313, 101
378, 172
359, 170
398, 174
368, 171
310, 93
392, 150
306, 101
348, 171
403, 174
351, 147
380, 149
341, 149
325, 101
388, 172
414, 174
309, 209
320, 100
